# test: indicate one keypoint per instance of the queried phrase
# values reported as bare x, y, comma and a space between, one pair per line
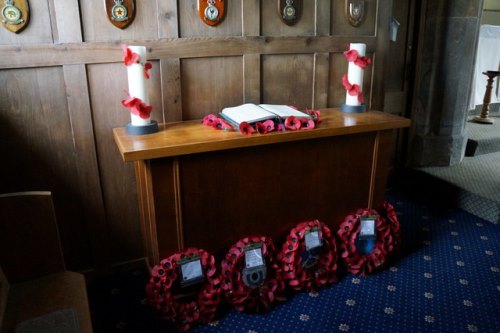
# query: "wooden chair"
36, 290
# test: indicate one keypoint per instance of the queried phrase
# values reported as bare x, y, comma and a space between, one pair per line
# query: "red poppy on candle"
137, 107
352, 89
129, 57
362, 61
351, 55
246, 128
147, 67
292, 123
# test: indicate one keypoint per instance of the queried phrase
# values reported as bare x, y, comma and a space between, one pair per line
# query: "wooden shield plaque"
120, 12
211, 11
15, 14
290, 11
355, 11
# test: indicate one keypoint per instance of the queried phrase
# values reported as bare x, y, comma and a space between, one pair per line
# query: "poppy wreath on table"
247, 287
309, 256
361, 262
181, 302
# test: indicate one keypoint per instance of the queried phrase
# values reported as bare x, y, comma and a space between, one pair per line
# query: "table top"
189, 137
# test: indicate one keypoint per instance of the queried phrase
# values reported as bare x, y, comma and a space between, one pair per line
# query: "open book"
253, 113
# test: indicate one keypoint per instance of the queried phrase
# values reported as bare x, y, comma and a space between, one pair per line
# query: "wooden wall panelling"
209, 84
381, 50
38, 151
251, 78
97, 28
272, 25
88, 179
190, 24
251, 18
323, 19
288, 79
66, 25
170, 69
105, 52
168, 19
338, 67
37, 31
107, 83
321, 80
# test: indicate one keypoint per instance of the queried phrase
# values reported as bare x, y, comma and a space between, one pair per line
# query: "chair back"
29, 237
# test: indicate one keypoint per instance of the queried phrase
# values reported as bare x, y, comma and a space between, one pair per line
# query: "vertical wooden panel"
68, 27
118, 179
97, 28
251, 79
190, 24
168, 19
171, 88
88, 178
37, 31
38, 150
210, 84
321, 80
288, 79
251, 18
384, 15
323, 20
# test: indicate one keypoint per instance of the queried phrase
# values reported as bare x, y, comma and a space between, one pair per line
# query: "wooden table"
206, 188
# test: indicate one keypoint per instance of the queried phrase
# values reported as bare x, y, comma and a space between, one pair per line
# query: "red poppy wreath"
361, 258
185, 288
251, 278
309, 256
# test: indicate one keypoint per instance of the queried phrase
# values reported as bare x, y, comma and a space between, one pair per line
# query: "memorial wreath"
309, 256
185, 305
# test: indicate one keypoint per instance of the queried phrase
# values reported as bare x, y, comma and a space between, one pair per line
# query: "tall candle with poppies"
353, 80
134, 57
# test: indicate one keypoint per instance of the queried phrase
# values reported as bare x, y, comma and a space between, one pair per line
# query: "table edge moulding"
201, 187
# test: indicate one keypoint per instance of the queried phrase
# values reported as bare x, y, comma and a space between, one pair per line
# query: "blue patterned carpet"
445, 279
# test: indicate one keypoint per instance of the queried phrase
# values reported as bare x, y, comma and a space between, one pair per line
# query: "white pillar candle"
355, 73
137, 83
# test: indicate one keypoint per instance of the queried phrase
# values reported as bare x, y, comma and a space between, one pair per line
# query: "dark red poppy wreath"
268, 287
391, 216
309, 256
164, 291
387, 234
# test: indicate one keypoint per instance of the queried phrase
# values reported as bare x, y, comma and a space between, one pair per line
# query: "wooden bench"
36, 291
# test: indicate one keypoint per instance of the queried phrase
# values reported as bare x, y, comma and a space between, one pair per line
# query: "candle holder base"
141, 130
353, 108
483, 120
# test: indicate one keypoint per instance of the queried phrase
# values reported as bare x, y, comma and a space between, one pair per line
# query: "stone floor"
477, 178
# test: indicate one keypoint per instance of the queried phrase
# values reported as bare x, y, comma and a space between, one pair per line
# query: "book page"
246, 112
284, 111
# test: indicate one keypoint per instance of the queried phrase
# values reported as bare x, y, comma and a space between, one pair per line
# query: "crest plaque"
290, 11
211, 11
120, 12
15, 14
355, 11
